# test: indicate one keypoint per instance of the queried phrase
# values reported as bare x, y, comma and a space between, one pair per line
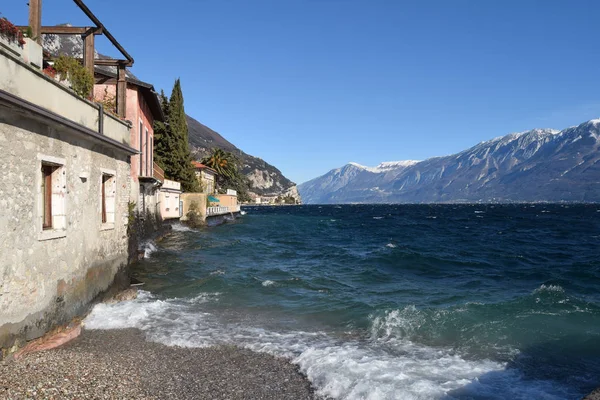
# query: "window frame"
51, 215
108, 181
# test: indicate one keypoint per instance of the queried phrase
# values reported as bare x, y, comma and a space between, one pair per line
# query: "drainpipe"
101, 119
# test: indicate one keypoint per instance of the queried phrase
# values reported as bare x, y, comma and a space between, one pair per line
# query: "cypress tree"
174, 155
163, 141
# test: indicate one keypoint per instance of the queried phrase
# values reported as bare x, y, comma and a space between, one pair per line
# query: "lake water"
388, 301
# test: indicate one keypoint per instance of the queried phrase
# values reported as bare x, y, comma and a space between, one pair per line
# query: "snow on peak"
385, 166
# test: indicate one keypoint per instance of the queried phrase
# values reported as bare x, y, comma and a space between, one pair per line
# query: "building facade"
143, 109
170, 202
207, 177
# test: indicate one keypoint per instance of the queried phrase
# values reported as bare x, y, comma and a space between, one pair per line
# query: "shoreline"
107, 364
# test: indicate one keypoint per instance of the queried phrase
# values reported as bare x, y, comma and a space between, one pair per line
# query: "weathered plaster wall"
46, 282
137, 111
199, 199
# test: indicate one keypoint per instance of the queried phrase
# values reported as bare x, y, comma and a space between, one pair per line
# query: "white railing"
210, 211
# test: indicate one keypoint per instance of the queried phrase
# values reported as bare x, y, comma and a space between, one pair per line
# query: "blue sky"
309, 85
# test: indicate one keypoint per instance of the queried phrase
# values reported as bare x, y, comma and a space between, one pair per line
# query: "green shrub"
82, 80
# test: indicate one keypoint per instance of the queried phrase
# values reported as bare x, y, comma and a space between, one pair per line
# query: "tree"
223, 162
172, 147
228, 174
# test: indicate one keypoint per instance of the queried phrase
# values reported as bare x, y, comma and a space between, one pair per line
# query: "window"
51, 218
108, 186
47, 171
147, 153
141, 172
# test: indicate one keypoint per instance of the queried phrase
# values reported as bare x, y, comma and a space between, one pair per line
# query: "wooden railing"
158, 173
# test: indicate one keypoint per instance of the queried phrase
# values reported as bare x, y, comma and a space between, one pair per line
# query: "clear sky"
309, 85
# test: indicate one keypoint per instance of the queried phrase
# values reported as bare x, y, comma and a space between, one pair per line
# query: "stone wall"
49, 276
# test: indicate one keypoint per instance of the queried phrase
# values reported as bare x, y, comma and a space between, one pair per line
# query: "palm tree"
223, 162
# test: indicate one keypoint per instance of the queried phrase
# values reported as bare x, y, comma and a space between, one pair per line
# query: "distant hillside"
537, 165
266, 180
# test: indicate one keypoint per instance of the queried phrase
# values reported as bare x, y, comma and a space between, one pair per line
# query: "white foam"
383, 366
148, 247
391, 245
179, 227
243, 212
549, 288
268, 283
377, 217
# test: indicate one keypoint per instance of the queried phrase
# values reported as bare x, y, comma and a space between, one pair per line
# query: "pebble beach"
121, 364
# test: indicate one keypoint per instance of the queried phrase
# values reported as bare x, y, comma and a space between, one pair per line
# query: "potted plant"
11, 38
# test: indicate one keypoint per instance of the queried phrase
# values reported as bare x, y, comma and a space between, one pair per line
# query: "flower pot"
32, 53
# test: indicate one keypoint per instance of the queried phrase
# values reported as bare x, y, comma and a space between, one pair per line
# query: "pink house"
143, 108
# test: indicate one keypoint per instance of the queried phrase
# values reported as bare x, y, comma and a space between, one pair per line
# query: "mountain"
265, 179
537, 165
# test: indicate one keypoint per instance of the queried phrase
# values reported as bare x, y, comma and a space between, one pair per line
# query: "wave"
387, 364
148, 247
179, 227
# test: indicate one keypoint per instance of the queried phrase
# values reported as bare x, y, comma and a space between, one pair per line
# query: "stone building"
64, 200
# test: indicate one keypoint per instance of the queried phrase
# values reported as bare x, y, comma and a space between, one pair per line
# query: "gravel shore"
120, 364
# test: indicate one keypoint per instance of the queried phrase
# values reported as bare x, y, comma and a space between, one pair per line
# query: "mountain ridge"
535, 165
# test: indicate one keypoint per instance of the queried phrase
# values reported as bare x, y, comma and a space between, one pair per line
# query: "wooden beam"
66, 30
105, 31
88, 52
35, 19
110, 62
121, 92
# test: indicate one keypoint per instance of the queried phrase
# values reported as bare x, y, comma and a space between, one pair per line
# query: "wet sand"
121, 364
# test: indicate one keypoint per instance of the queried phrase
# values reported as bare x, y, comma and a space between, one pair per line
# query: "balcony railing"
212, 211
158, 173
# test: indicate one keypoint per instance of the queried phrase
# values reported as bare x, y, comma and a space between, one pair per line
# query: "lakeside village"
94, 162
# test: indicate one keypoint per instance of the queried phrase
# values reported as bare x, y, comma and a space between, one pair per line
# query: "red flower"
11, 32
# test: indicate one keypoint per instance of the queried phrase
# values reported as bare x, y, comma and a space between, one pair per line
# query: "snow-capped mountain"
537, 165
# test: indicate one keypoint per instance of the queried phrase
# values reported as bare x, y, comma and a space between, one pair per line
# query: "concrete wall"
226, 200
47, 277
199, 199
29, 84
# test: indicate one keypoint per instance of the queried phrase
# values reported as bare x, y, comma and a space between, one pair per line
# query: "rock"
125, 295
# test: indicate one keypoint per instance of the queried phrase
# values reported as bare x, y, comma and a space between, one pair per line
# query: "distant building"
170, 205
143, 108
206, 176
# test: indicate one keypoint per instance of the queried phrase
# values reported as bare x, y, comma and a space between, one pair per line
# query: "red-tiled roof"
198, 165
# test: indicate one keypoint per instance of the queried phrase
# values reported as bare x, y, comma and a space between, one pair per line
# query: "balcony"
30, 89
